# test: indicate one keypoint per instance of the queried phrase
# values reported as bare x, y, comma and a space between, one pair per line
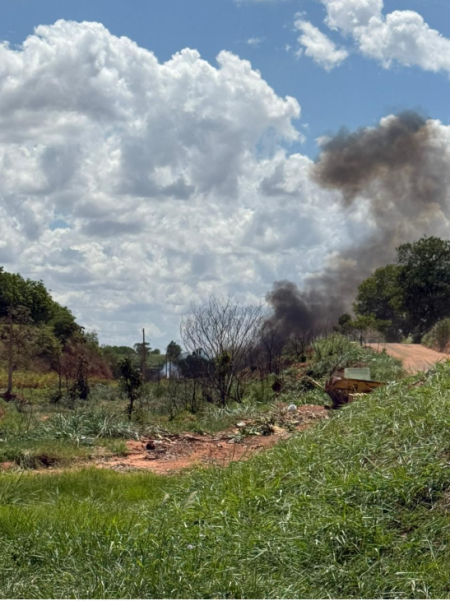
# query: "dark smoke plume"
398, 173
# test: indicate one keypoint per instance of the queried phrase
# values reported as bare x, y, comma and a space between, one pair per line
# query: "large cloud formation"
133, 187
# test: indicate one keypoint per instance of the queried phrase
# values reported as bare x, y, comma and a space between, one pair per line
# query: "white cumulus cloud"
401, 36
349, 15
133, 187
318, 46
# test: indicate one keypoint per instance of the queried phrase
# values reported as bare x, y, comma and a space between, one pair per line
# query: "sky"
153, 152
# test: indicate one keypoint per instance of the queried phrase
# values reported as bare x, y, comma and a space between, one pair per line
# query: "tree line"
406, 298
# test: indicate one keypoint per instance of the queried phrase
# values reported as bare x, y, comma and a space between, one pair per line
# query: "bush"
260, 391
439, 336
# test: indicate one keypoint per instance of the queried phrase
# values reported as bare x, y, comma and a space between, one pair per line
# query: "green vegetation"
332, 355
68, 432
356, 507
337, 352
407, 298
43, 349
438, 337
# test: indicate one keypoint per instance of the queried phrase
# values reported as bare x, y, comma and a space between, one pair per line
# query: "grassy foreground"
358, 506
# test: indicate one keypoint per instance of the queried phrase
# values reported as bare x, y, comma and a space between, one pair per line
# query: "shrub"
439, 336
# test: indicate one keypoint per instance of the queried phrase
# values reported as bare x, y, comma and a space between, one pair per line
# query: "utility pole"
143, 355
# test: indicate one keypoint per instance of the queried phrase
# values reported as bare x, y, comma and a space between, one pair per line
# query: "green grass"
337, 352
210, 420
332, 355
63, 437
358, 506
37, 434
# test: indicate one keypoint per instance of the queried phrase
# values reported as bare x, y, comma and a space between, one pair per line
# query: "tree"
344, 324
363, 323
81, 388
138, 348
425, 281
225, 331
115, 354
13, 308
195, 366
197, 369
173, 353
131, 383
143, 350
270, 349
382, 296
16, 291
63, 323
49, 350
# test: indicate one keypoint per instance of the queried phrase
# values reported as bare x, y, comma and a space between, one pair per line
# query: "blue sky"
134, 185
357, 93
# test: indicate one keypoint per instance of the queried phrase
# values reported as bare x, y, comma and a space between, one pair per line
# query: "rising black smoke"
398, 172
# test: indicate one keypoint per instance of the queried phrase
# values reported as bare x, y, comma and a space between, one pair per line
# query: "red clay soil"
415, 357
174, 453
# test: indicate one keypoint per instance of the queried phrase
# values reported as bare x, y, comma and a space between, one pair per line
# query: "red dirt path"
415, 357
172, 453
177, 452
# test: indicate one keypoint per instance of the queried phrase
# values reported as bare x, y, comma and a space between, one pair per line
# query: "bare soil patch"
173, 453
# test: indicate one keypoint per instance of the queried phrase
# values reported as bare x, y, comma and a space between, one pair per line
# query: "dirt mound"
175, 452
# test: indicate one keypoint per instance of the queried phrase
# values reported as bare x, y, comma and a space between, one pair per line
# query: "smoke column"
398, 172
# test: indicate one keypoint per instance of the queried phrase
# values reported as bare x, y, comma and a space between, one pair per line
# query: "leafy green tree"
131, 383
425, 281
14, 307
138, 348
173, 353
363, 323
381, 295
91, 339
344, 324
195, 366
15, 292
64, 324
114, 355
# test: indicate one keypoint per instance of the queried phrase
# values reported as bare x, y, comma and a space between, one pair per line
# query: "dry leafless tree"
223, 332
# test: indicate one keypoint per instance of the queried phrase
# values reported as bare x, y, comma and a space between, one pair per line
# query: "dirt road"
415, 357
